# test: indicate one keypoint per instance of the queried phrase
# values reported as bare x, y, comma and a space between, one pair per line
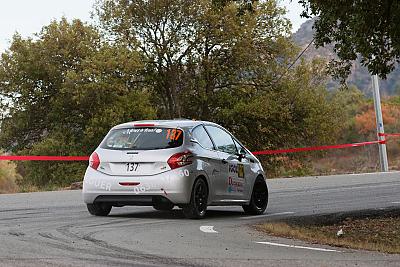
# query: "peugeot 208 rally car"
184, 163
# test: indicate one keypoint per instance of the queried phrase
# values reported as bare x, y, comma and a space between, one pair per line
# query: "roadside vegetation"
378, 232
224, 61
9, 177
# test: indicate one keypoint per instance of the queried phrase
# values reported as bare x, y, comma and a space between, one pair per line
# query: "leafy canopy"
198, 48
370, 29
62, 91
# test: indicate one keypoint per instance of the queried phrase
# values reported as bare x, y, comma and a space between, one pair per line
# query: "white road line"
266, 215
208, 229
300, 247
397, 202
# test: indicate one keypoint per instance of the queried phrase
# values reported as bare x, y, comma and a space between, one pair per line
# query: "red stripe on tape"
293, 150
393, 135
45, 158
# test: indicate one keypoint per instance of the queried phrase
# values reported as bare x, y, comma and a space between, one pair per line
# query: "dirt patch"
377, 230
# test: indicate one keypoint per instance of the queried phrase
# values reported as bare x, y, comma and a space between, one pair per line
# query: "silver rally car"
184, 163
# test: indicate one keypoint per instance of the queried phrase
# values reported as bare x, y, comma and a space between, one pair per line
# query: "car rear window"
143, 139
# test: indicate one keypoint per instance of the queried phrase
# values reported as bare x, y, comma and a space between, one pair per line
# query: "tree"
200, 48
300, 113
64, 91
366, 28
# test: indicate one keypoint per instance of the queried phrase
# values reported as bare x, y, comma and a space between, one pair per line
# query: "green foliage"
350, 101
53, 174
65, 90
191, 48
297, 113
366, 28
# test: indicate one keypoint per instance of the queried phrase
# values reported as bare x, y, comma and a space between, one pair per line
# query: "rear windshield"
143, 139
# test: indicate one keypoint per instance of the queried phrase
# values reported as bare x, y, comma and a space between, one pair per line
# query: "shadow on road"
174, 214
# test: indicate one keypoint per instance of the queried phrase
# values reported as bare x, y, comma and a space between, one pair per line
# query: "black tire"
163, 206
99, 209
197, 207
259, 198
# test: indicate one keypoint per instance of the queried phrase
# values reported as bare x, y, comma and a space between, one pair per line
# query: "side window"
240, 148
202, 136
223, 141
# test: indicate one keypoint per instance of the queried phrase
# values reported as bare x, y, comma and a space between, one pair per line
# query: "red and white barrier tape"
389, 135
263, 152
314, 148
45, 158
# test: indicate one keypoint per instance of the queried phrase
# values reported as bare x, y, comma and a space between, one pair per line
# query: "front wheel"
99, 209
197, 207
259, 198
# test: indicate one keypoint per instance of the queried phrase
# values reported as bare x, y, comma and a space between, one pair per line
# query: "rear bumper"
171, 185
129, 200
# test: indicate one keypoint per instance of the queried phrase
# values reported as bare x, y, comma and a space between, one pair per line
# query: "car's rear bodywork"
140, 175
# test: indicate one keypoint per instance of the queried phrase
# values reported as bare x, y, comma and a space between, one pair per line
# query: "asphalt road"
54, 229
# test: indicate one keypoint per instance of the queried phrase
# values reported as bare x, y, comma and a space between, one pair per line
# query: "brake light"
180, 159
94, 160
144, 125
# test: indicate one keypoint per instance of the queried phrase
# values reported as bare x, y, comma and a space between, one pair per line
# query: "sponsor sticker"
237, 168
240, 170
235, 185
99, 184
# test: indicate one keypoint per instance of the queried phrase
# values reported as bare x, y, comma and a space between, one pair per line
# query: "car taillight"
94, 160
180, 159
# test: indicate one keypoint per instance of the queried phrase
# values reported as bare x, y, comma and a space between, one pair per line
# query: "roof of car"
164, 123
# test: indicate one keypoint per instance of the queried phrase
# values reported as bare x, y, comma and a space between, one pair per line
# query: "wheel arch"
259, 176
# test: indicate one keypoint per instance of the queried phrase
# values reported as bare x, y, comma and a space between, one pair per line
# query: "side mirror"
194, 140
242, 154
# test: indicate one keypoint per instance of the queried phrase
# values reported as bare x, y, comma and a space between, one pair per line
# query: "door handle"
224, 161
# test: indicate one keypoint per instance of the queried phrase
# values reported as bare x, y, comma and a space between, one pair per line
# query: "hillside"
359, 75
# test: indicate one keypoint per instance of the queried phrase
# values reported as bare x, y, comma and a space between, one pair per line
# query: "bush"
8, 177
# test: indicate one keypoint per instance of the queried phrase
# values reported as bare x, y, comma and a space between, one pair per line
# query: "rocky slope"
359, 75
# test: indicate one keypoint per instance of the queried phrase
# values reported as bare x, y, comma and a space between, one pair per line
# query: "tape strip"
294, 150
389, 135
263, 152
45, 158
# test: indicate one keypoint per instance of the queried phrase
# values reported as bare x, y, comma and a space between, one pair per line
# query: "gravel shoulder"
374, 230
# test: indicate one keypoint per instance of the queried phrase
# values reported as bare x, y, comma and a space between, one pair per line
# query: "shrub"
8, 177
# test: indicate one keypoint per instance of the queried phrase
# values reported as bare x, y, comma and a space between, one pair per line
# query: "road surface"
54, 229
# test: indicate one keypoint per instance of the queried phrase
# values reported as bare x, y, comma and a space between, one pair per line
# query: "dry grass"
377, 234
8, 177
332, 162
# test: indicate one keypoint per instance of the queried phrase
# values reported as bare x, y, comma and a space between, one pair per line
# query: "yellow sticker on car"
240, 170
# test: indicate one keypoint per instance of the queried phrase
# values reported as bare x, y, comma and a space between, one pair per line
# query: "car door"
209, 158
230, 184
245, 169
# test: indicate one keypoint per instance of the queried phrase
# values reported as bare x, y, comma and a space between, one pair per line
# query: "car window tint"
143, 139
222, 140
202, 137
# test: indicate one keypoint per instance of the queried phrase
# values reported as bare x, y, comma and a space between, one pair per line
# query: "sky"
29, 16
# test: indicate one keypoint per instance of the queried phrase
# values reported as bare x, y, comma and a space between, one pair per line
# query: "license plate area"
132, 167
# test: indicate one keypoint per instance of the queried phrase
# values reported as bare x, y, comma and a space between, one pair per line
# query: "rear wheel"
99, 209
259, 198
197, 207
